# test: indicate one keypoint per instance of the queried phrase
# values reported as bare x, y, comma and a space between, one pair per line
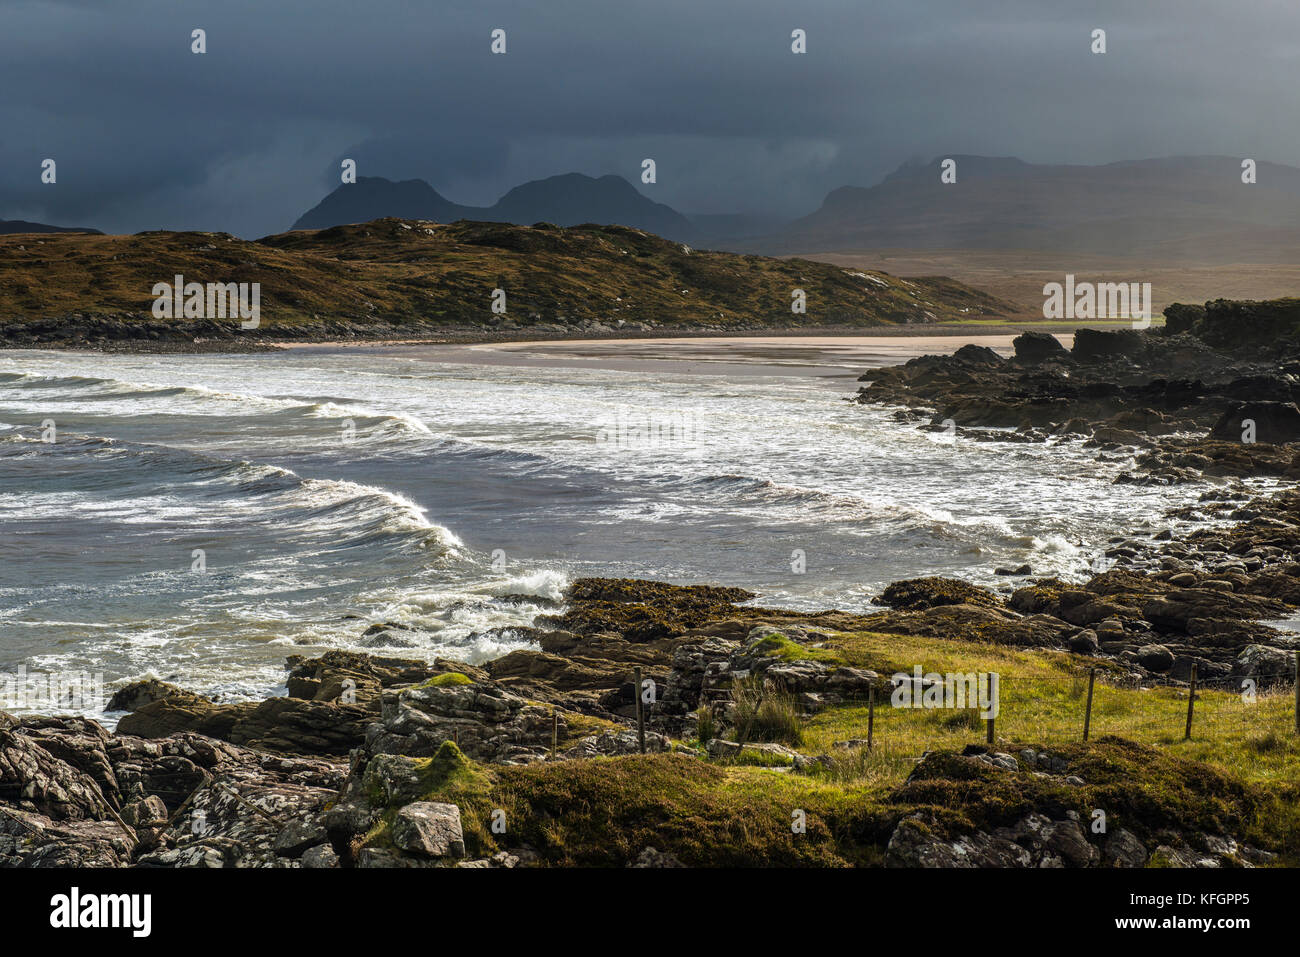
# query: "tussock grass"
765, 713
1239, 775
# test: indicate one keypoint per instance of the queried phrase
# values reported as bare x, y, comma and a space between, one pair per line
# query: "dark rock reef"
1211, 393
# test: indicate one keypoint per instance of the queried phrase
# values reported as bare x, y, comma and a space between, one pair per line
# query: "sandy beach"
818, 356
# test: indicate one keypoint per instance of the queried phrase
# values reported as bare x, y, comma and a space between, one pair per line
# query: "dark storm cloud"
249, 135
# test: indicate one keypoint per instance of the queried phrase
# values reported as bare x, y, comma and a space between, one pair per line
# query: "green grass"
779, 646
1042, 699
1238, 775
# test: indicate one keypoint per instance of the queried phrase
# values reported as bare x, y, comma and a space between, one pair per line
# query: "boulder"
1085, 642
978, 355
1155, 658
1181, 317
1092, 344
430, 828
137, 694
319, 857
486, 722
912, 845
1123, 849
1263, 662
1276, 423
921, 593
1033, 347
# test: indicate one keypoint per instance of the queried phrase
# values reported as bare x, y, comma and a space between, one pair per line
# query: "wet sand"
821, 356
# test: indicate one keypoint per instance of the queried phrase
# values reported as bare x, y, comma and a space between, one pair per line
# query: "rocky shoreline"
535, 759
129, 333
1180, 394
345, 769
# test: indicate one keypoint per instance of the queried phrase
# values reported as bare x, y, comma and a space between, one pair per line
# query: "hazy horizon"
247, 136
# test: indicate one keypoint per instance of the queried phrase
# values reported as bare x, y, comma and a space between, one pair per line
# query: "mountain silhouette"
22, 226
1175, 208
570, 199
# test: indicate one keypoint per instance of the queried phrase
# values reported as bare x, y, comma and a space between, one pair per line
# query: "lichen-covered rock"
912, 845
1263, 663
430, 828
348, 677
650, 857
297, 836
609, 743
486, 722
184, 800
320, 857
1123, 849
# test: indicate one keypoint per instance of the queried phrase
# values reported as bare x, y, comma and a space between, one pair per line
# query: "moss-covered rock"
916, 594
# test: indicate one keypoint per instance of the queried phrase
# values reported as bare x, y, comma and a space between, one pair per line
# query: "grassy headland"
399, 279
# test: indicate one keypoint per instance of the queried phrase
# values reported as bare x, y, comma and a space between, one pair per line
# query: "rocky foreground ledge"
534, 759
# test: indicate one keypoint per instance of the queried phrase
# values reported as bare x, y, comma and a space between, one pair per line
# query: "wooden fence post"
640, 710
871, 714
989, 738
1087, 714
1191, 702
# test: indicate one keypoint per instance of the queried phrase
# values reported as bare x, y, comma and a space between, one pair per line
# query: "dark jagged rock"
1276, 423
73, 795
288, 725
1091, 345
1035, 347
1268, 328
1182, 392
137, 694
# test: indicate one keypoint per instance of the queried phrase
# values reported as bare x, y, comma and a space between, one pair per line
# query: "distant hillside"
568, 200
8, 226
396, 277
1173, 209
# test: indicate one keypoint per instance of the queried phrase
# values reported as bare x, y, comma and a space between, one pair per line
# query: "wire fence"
1081, 707
1259, 710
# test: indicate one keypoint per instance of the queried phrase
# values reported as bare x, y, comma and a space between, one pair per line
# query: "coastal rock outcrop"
1198, 394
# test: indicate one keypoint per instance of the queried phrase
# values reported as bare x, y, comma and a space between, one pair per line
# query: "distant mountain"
571, 199
373, 197
22, 226
1174, 208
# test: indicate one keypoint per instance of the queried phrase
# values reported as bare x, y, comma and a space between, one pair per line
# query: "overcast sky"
248, 136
